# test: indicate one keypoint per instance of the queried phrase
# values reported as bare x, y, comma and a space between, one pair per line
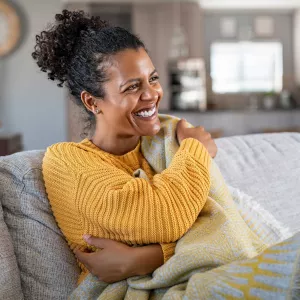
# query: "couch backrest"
48, 269
10, 281
266, 167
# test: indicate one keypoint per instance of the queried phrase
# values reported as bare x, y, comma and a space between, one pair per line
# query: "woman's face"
132, 96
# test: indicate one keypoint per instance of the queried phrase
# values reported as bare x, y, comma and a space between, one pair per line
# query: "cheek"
129, 103
160, 91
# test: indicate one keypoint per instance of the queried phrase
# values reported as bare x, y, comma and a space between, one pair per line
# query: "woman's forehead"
131, 63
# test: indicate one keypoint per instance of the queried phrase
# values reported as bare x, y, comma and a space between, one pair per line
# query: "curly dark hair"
75, 49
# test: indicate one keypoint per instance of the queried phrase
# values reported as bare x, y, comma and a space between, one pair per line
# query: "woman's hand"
198, 133
117, 261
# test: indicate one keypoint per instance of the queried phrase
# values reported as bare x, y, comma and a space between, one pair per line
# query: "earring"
97, 111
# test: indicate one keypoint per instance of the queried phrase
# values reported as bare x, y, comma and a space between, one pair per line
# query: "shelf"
229, 111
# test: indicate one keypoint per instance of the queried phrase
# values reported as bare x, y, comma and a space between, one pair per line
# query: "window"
246, 67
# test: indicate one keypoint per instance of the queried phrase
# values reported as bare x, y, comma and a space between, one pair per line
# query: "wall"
2, 108
283, 32
33, 105
115, 14
296, 32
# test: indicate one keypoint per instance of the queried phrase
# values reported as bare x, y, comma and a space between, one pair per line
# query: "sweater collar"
129, 156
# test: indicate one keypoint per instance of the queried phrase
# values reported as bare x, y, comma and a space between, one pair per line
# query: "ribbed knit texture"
94, 192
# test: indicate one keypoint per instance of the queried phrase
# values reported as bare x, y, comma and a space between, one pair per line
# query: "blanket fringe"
262, 214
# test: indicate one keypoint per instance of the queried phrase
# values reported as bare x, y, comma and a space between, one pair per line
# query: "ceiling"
250, 4
214, 4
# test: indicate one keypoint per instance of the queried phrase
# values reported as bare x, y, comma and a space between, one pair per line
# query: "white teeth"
146, 113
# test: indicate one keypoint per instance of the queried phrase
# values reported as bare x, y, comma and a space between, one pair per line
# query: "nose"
150, 94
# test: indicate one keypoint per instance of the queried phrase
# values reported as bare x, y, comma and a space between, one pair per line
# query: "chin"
146, 126
151, 131
156, 129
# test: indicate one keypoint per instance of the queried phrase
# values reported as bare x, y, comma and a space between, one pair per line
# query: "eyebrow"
136, 79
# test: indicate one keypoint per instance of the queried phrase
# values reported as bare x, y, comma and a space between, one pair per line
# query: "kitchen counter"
240, 122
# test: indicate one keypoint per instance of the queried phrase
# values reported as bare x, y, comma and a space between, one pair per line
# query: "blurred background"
232, 66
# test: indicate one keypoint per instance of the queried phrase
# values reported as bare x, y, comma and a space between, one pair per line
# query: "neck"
114, 144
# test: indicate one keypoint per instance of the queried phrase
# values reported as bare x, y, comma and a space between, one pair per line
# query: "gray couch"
35, 261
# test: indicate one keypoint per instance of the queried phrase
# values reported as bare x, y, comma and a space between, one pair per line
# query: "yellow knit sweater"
94, 192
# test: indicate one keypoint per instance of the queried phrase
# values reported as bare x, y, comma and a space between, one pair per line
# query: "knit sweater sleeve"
168, 250
61, 191
115, 205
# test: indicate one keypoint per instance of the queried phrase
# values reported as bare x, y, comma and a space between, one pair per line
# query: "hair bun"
57, 46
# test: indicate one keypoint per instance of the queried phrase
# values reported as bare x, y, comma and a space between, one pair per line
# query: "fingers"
182, 124
98, 242
184, 130
208, 135
82, 256
201, 134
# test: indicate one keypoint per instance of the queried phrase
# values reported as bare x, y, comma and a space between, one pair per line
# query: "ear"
89, 101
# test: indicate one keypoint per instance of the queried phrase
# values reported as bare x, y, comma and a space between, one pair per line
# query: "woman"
91, 185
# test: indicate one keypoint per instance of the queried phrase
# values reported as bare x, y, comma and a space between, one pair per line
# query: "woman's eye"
154, 78
132, 87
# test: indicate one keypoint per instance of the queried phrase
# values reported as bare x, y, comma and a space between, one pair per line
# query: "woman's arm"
117, 206
117, 261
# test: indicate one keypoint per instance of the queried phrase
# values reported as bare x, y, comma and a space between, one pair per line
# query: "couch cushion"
266, 167
47, 266
10, 282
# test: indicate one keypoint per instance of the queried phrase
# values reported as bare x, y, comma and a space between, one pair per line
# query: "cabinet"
10, 143
188, 84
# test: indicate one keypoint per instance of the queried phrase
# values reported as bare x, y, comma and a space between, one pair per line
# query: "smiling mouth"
146, 113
